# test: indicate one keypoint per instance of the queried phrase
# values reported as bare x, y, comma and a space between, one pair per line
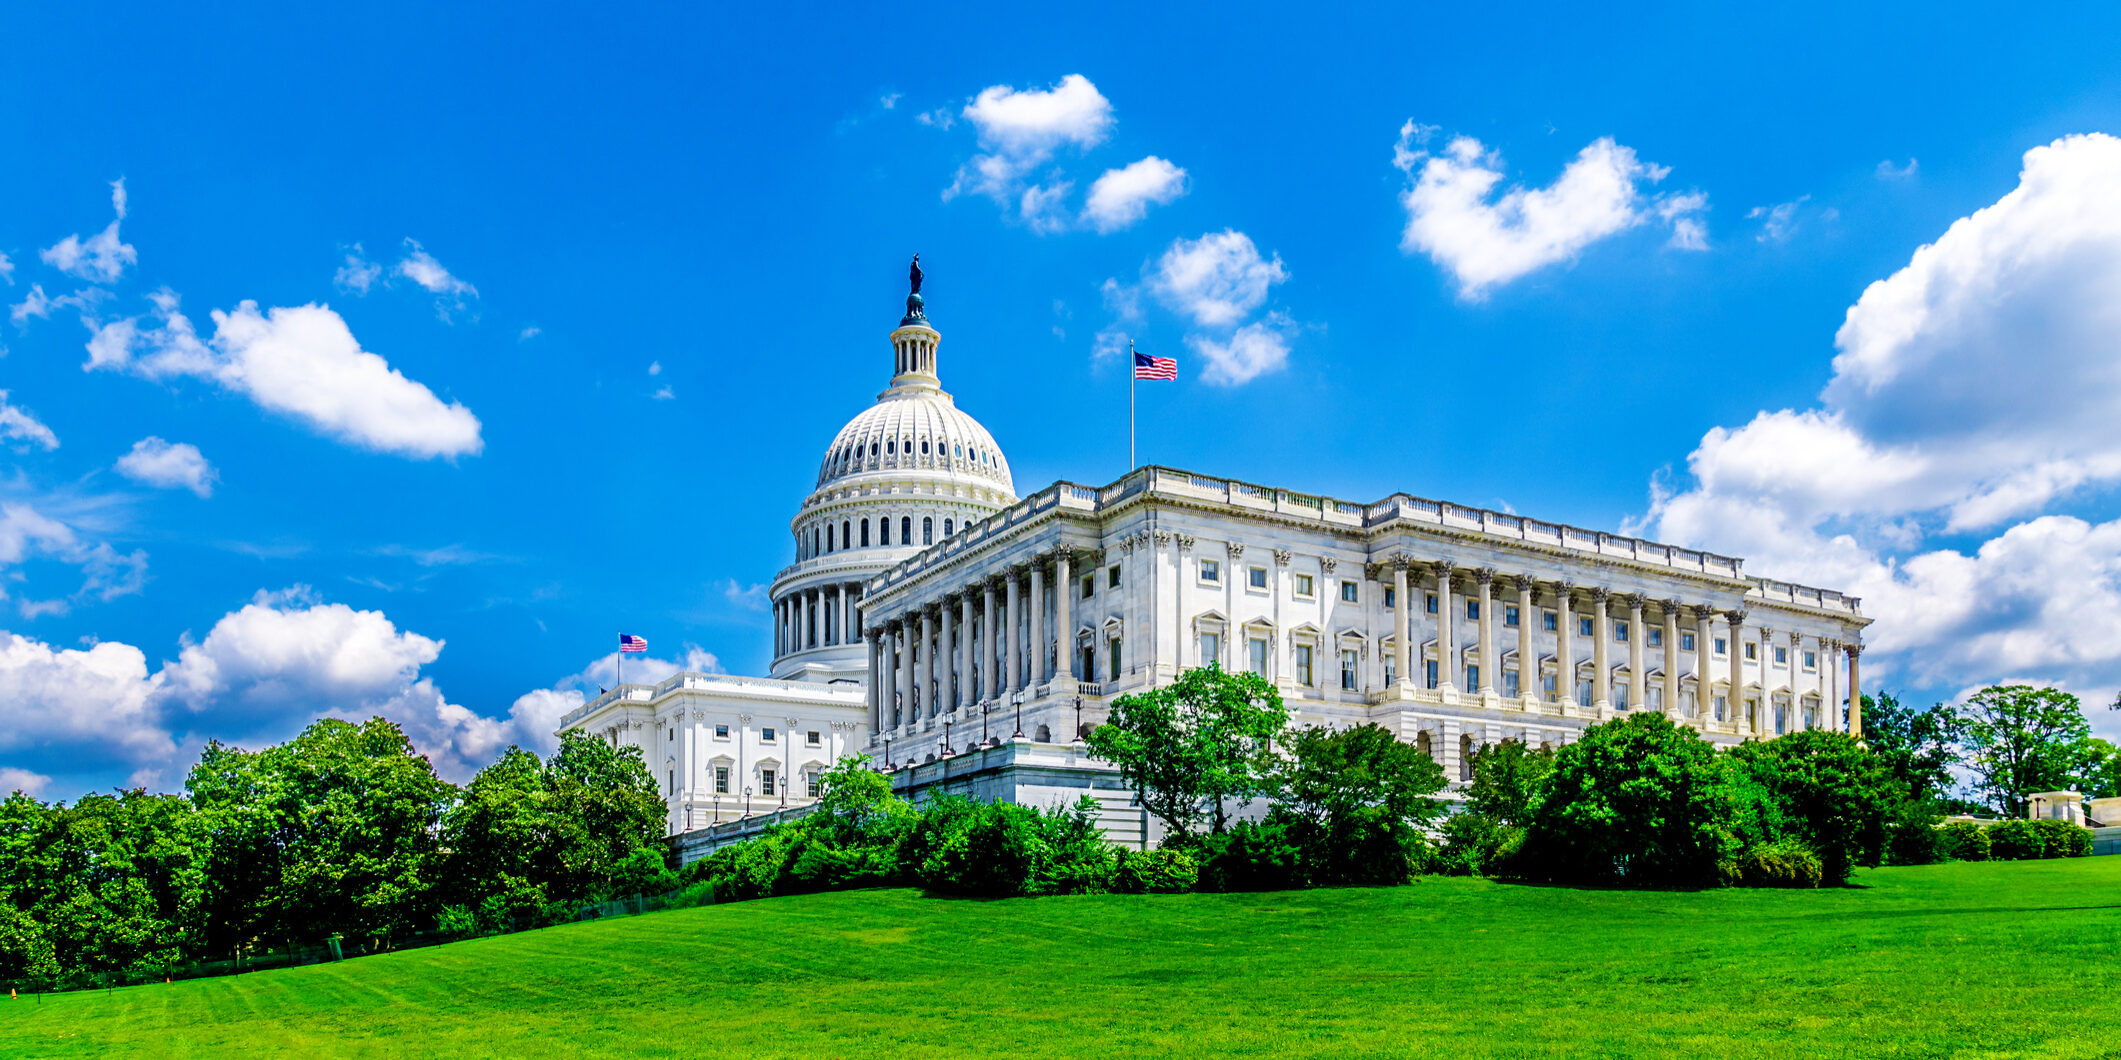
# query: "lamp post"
887, 752
986, 739
947, 751
1018, 699
1078, 718
747, 801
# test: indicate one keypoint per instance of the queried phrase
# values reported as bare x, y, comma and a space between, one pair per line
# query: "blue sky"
550, 319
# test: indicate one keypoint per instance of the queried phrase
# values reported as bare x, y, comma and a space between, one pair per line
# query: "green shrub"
2062, 839
1163, 871
1252, 856
998, 850
1782, 863
1474, 844
1913, 837
457, 922
1821, 788
2016, 841
1964, 841
1638, 801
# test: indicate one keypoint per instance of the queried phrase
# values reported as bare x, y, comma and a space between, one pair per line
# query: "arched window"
947, 524
883, 531
891, 447
957, 451
924, 447
846, 534
905, 530
928, 530
865, 533
828, 537
813, 541
872, 448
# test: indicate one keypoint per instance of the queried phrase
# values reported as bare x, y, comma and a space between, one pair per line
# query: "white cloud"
303, 362
529, 333
1777, 221
940, 118
451, 293
889, 100
1045, 207
1888, 171
1218, 279
1486, 239
1973, 387
749, 597
358, 274
1250, 351
536, 713
169, 466
7, 270
64, 705
663, 393
22, 780
18, 425
1020, 132
28, 534
40, 305
1123, 196
1681, 212
100, 258
655, 368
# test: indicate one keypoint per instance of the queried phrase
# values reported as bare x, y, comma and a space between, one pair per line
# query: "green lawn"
1963, 960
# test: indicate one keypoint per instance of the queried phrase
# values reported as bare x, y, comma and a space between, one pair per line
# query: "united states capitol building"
964, 638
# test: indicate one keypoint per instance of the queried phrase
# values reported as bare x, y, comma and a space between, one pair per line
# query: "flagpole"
621, 679
1130, 404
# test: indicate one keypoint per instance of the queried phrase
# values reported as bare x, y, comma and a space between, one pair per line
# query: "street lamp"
747, 800
1078, 718
947, 751
985, 739
1018, 699
887, 752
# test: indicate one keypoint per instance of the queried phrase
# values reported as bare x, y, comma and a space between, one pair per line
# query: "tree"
1190, 747
1638, 801
1362, 798
2100, 775
1827, 792
2019, 740
1507, 779
1915, 745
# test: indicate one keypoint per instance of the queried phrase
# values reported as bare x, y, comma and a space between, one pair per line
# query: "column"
1704, 690
802, 620
1403, 650
1488, 669
1638, 681
1829, 689
965, 698
1855, 693
1446, 677
990, 688
1012, 663
876, 683
1797, 694
1735, 698
901, 676
847, 630
1601, 654
780, 630
1564, 645
1671, 658
1036, 671
1063, 629
1527, 650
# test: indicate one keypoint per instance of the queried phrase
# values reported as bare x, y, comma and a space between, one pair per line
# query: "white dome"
915, 429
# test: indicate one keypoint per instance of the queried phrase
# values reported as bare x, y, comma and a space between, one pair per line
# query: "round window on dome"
957, 451
872, 448
924, 447
891, 447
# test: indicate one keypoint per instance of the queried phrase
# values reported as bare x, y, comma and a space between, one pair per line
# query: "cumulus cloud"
7, 270
1486, 238
19, 426
24, 781
29, 534
302, 362
1777, 221
100, 258
169, 465
1248, 353
358, 274
451, 292
66, 703
1218, 279
1123, 196
40, 305
1019, 132
536, 714
1973, 389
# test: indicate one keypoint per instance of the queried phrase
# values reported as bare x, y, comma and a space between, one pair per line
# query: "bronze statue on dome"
914, 276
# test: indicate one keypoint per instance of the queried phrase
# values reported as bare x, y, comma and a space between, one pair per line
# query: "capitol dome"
903, 475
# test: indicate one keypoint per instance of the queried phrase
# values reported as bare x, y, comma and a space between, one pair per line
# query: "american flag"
630, 643
1147, 367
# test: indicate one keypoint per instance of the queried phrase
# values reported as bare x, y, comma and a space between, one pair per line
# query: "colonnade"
816, 616
980, 643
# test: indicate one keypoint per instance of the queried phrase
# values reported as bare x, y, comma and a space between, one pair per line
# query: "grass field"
1963, 960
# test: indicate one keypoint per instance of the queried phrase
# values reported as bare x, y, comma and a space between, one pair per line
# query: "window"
865, 533
883, 532
1620, 632
1430, 599
1511, 684
828, 536
847, 534
1211, 648
1303, 585
1620, 695
811, 738
766, 735
1719, 708
673, 736
1349, 660
1472, 677
1656, 637
1350, 592
765, 781
673, 783
1686, 642
1303, 665
1550, 687
721, 780
1089, 586
1112, 576
1112, 659
1752, 651
1391, 597
1473, 610
1723, 647
928, 530
1782, 656
1583, 626
905, 529
1431, 673
811, 782
1211, 570
1258, 649
1510, 618
1811, 660
1391, 668
1549, 621
949, 527
721, 732
1256, 577
1583, 692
